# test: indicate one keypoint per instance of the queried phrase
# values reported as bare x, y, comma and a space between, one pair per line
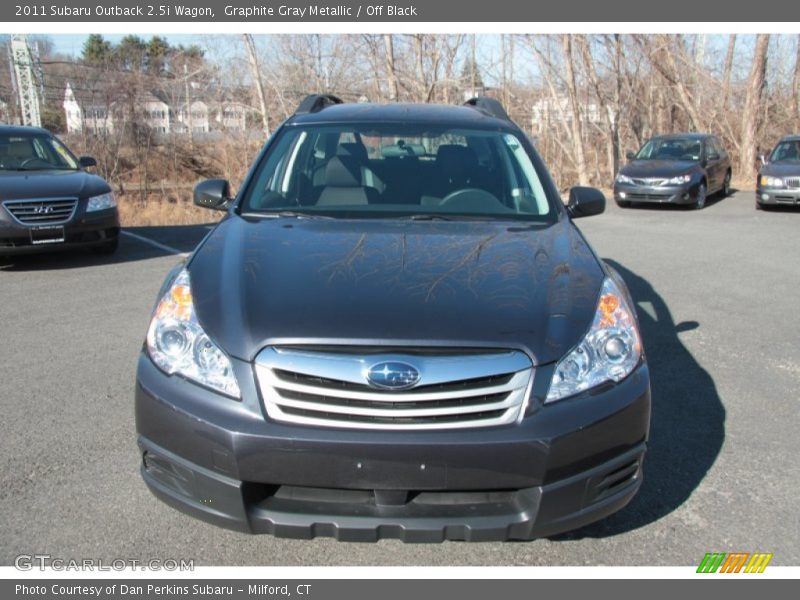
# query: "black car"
47, 199
778, 180
396, 331
676, 169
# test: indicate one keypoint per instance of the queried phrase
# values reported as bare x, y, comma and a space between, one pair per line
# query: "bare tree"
755, 90
259, 86
575, 108
391, 71
726, 71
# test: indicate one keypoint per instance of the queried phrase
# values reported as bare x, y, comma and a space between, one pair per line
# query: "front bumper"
223, 461
776, 197
84, 230
677, 194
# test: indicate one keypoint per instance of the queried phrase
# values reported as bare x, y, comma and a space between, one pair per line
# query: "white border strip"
274, 573
237, 27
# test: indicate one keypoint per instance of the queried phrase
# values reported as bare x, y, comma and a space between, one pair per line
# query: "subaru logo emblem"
393, 375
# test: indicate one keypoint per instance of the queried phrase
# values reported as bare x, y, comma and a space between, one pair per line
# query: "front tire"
624, 203
726, 186
700, 199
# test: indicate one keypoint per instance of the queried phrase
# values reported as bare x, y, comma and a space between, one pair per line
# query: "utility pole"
256, 71
26, 82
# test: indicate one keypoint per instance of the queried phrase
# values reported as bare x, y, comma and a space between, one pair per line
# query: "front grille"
330, 389
792, 182
48, 211
649, 181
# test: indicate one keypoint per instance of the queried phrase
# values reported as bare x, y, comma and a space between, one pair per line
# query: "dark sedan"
47, 199
779, 178
675, 169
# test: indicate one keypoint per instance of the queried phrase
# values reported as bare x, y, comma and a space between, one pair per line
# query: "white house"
548, 111
194, 117
232, 116
164, 111
156, 113
88, 112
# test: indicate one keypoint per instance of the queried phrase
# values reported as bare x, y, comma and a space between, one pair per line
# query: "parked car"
676, 169
396, 331
48, 201
778, 179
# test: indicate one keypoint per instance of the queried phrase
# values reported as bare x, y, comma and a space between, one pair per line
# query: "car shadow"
136, 243
687, 427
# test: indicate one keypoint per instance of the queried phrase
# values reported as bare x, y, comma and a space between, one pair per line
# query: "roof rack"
489, 106
316, 102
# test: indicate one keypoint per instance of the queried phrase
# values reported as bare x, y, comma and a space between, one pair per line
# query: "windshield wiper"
41, 169
434, 217
284, 214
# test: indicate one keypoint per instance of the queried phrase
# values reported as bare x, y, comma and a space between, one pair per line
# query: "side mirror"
213, 193
585, 202
630, 155
87, 161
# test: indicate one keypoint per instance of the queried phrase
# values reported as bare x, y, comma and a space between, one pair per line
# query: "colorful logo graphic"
735, 562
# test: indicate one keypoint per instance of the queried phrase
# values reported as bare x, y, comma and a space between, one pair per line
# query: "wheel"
108, 248
700, 201
624, 203
726, 186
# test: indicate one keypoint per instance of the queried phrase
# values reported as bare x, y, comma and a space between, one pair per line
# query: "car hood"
781, 169
21, 185
397, 282
658, 168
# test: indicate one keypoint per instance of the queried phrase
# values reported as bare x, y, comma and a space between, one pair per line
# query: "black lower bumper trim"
351, 515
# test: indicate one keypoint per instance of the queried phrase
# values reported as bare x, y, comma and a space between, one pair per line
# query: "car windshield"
397, 170
671, 149
34, 152
786, 152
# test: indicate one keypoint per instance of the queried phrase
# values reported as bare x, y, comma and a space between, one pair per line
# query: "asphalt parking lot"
717, 292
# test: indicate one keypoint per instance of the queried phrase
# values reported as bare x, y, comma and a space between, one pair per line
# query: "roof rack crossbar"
489, 106
316, 102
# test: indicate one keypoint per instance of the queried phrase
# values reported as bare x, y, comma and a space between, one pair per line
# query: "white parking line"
159, 245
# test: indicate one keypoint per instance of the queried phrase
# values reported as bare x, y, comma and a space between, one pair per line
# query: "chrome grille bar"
792, 182
42, 211
330, 389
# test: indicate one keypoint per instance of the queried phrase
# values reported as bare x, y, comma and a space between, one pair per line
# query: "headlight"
177, 343
679, 179
101, 202
623, 179
609, 351
773, 182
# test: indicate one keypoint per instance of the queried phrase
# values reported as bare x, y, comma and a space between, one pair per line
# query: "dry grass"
159, 210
